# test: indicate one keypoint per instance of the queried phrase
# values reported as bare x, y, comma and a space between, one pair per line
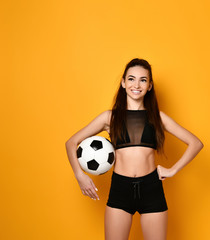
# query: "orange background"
61, 62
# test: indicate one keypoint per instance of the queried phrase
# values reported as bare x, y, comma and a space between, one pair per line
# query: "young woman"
136, 128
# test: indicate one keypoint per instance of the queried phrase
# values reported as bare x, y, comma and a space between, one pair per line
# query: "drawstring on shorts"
136, 186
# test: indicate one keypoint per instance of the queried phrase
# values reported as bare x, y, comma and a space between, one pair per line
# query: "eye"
144, 80
130, 78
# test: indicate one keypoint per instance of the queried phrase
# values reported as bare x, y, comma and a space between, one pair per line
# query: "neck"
129, 107
135, 104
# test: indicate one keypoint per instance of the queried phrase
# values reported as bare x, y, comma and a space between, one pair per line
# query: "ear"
123, 83
150, 86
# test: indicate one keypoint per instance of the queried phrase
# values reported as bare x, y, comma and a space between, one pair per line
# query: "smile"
136, 91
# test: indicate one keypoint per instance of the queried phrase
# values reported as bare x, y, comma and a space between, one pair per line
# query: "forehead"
137, 71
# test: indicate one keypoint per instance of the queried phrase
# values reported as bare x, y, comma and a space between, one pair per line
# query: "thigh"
117, 224
154, 225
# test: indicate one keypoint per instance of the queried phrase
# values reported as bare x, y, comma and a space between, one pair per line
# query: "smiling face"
136, 83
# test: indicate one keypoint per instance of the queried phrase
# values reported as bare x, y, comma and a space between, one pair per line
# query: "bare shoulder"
108, 114
168, 122
106, 117
171, 126
164, 118
97, 125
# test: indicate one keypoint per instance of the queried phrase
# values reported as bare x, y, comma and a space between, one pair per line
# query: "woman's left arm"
193, 142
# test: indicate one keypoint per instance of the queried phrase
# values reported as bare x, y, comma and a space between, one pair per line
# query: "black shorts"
144, 194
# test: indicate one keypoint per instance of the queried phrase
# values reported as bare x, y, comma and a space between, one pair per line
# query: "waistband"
145, 178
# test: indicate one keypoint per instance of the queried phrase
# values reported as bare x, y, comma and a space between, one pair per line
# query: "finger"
158, 170
86, 193
91, 194
94, 193
94, 186
162, 178
94, 190
159, 174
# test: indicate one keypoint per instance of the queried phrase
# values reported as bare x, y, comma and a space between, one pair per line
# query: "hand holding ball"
96, 155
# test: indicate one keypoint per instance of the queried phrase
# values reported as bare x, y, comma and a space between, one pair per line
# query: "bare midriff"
134, 161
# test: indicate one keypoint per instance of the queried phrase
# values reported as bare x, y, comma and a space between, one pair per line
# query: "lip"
136, 91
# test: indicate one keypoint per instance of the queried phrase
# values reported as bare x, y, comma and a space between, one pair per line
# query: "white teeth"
136, 91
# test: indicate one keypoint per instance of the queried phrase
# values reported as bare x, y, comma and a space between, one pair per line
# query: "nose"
137, 84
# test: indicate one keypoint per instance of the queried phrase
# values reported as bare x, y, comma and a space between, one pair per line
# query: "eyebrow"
134, 76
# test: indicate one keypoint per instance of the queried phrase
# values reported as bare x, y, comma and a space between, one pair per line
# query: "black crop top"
139, 132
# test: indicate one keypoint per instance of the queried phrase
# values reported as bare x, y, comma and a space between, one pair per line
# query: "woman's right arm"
97, 125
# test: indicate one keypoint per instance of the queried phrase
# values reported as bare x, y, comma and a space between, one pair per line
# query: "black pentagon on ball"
96, 145
79, 152
111, 158
93, 165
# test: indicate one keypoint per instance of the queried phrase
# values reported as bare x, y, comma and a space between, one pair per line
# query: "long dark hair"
150, 103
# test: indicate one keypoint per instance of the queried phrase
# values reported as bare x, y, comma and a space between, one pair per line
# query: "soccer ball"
96, 155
